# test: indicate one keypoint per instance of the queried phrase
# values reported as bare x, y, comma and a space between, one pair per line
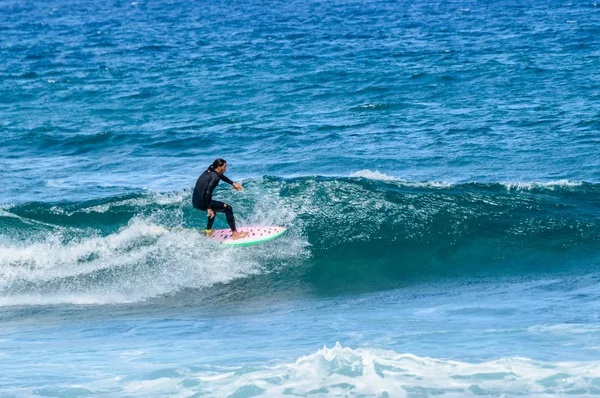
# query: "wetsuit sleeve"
225, 179
211, 187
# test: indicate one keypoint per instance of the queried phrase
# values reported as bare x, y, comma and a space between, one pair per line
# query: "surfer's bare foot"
209, 233
239, 235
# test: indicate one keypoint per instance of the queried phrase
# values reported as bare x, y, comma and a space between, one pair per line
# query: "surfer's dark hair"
217, 163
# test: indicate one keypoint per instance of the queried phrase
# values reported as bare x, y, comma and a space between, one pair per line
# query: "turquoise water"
436, 165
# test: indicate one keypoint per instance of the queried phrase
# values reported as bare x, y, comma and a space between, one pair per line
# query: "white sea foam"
341, 371
379, 176
533, 185
141, 260
516, 185
373, 175
368, 372
51, 259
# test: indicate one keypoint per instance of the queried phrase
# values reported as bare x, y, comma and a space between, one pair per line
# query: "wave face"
364, 232
385, 230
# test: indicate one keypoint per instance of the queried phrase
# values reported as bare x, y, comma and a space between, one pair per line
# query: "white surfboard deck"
256, 234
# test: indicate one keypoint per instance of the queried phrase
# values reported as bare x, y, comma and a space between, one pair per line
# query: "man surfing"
202, 197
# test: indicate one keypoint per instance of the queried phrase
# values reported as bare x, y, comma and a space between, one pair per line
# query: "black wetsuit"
202, 197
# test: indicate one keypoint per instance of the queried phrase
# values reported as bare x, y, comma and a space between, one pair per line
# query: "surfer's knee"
228, 209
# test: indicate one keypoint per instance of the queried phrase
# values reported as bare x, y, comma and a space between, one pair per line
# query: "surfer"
202, 197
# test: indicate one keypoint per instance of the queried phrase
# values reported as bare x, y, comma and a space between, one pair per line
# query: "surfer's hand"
238, 187
211, 213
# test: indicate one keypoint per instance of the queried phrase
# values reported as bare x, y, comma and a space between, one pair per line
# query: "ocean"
437, 165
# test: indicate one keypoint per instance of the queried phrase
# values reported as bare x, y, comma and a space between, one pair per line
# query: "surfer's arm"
225, 179
236, 185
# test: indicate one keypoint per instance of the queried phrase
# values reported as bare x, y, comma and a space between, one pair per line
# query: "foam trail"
51, 259
140, 261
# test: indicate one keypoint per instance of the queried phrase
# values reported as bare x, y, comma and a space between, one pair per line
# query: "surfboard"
256, 234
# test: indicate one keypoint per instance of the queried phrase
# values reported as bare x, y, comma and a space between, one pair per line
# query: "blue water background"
100, 98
